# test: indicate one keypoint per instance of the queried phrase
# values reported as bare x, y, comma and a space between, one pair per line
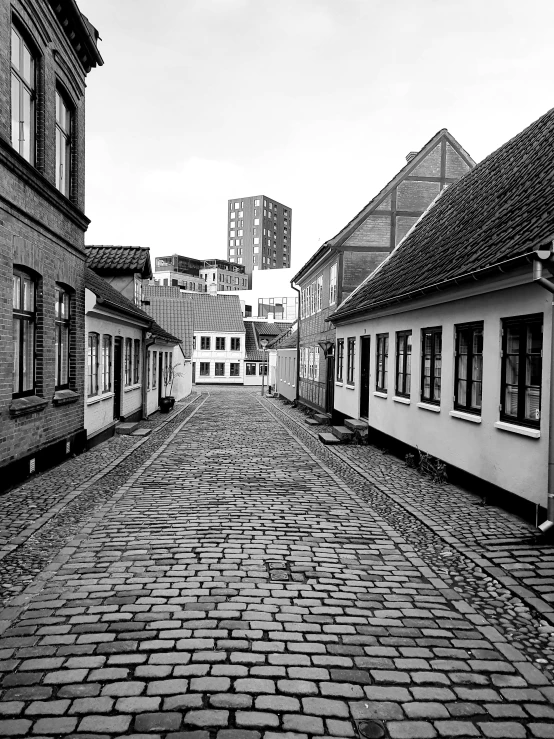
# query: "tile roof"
373, 204
257, 329
495, 213
216, 312
160, 291
286, 340
119, 259
108, 294
159, 332
176, 316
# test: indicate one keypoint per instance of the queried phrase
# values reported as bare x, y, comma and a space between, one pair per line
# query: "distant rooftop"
105, 258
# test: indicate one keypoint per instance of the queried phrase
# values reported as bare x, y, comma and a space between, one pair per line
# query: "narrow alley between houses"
241, 581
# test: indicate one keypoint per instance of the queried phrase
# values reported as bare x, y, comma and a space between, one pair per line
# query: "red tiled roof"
119, 259
108, 294
495, 213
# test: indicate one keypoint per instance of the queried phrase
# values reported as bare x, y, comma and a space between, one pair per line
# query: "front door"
160, 375
365, 349
330, 389
117, 377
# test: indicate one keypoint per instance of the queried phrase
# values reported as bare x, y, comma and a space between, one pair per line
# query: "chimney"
411, 155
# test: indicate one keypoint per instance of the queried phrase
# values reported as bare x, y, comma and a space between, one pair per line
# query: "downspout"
547, 285
297, 394
145, 344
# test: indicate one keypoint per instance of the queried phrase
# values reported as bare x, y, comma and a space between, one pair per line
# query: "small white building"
257, 363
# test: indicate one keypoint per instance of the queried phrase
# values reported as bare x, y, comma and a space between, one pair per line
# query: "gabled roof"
176, 316
255, 330
493, 215
216, 312
339, 239
285, 340
107, 294
159, 333
114, 259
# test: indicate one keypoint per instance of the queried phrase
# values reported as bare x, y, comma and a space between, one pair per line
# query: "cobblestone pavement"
238, 585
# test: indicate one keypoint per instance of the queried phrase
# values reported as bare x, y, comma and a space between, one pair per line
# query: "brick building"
46, 51
343, 262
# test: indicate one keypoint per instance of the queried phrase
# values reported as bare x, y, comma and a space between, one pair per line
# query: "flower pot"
165, 405
172, 399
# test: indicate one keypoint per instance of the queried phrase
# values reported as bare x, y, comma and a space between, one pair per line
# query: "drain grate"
371, 729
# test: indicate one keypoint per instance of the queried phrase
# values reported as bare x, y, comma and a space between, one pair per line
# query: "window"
310, 363
333, 284
219, 369
403, 363
154, 370
351, 351
220, 343
381, 380
316, 364
468, 371
521, 370
233, 215
262, 368
319, 292
205, 343
431, 359
136, 363
92, 368
148, 362
63, 146
61, 361
106, 363
24, 322
23, 97
235, 344
340, 359
128, 361
250, 368
234, 369
205, 369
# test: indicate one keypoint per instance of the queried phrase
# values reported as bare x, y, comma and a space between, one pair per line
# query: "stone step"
328, 438
354, 425
322, 419
126, 427
342, 433
142, 432
312, 422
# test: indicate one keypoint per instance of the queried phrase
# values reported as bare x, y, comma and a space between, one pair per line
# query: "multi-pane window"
106, 363
24, 322
92, 364
220, 343
136, 362
234, 369
262, 369
316, 364
204, 369
381, 381
340, 359
250, 368
61, 360
403, 363
235, 344
319, 292
154, 370
219, 369
148, 362
205, 342
431, 362
23, 97
63, 145
350, 354
522, 370
333, 284
468, 371
128, 361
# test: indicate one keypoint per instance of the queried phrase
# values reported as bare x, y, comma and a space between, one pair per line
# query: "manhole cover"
369, 729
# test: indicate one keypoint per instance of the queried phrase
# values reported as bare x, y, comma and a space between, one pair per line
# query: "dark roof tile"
103, 290
103, 258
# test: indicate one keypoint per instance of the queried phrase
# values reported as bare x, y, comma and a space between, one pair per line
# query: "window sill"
400, 399
379, 394
130, 388
350, 387
28, 404
465, 416
339, 384
429, 407
65, 397
514, 429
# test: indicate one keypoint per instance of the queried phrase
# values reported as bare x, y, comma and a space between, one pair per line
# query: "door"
193, 373
330, 389
160, 375
117, 377
365, 350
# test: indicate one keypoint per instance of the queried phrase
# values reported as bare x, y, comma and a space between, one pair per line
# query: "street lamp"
264, 343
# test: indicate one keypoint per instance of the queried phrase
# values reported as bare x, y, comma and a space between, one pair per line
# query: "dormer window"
63, 145
23, 97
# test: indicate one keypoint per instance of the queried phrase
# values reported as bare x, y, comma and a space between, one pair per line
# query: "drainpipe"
297, 394
145, 344
547, 285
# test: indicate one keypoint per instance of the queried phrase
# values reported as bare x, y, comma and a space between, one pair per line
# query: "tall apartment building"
259, 233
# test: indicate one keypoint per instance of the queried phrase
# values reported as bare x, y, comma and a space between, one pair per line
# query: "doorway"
365, 354
330, 385
160, 375
117, 377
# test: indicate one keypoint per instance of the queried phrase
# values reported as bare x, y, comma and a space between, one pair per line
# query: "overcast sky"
312, 102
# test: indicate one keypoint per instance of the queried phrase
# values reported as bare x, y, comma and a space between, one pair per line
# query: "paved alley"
239, 584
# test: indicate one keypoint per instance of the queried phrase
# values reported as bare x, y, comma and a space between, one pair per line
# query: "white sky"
312, 102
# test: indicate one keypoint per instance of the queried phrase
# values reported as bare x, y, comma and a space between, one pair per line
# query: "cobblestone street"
234, 579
